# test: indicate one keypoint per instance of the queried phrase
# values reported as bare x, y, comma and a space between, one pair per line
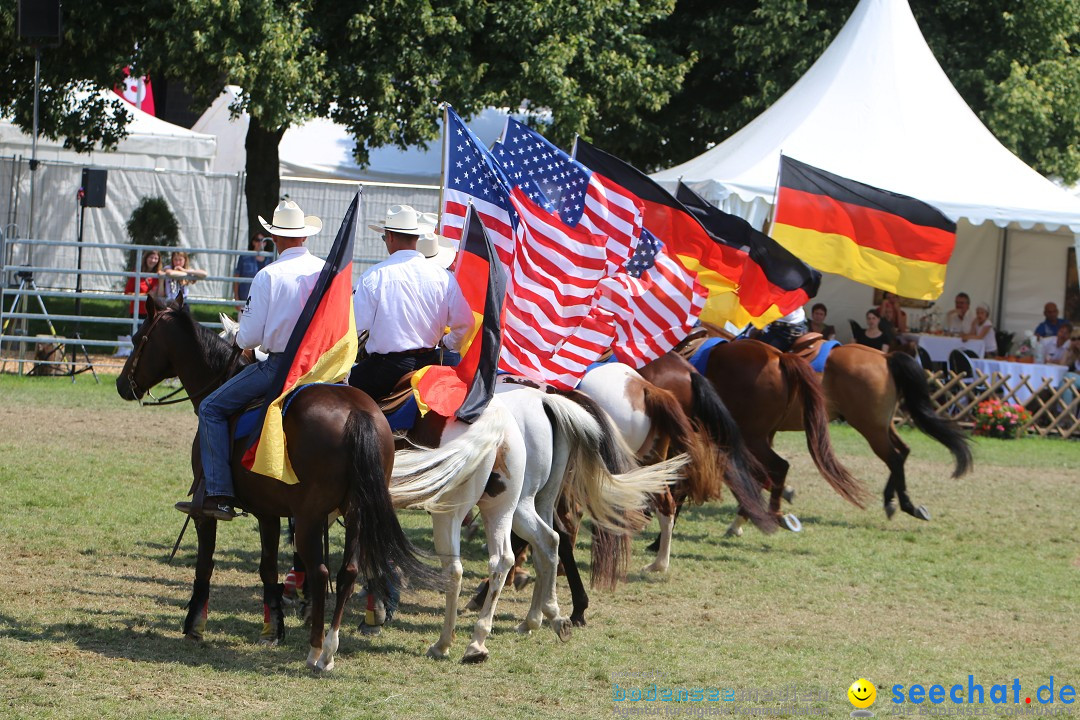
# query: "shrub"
152, 223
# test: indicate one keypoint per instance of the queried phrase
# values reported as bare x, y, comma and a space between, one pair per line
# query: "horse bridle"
137, 354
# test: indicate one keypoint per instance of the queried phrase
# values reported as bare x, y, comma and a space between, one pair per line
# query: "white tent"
151, 143
321, 148
876, 107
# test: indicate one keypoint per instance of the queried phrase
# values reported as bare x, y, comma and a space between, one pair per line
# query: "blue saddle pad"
701, 357
247, 425
819, 362
601, 363
405, 416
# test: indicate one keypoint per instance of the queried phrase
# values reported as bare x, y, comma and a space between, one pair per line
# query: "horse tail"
712, 414
801, 379
910, 381
385, 554
703, 473
615, 502
618, 457
424, 477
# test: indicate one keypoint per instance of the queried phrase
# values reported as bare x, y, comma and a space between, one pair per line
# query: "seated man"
405, 304
783, 332
958, 320
1054, 348
275, 301
1052, 323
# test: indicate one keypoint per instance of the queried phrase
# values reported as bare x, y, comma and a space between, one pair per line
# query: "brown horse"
342, 451
765, 391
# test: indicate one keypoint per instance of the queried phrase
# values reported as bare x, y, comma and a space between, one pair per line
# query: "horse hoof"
521, 580
370, 630
655, 567
890, 509
733, 531
313, 658
562, 627
193, 637
525, 628
578, 620
474, 657
269, 641
321, 669
788, 494
921, 513
437, 653
791, 523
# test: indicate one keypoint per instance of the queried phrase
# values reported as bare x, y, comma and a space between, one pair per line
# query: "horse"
342, 451
765, 391
557, 435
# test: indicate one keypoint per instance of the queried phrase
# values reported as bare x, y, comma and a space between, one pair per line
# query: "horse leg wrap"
197, 608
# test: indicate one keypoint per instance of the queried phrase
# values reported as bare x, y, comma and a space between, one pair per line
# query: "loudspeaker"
93, 186
39, 20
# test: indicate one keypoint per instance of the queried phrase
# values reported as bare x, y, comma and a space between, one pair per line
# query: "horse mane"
215, 350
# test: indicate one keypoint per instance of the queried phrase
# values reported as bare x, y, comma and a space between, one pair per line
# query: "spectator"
983, 329
891, 312
873, 336
149, 282
248, 265
957, 320
1071, 359
179, 274
1050, 326
1054, 348
817, 321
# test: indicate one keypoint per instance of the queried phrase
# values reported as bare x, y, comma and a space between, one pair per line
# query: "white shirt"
797, 315
955, 324
1052, 353
277, 297
406, 303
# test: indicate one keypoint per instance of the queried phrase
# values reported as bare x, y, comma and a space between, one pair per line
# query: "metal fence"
211, 211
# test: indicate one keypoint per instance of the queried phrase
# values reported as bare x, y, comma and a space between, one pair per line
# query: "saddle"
691, 343
807, 346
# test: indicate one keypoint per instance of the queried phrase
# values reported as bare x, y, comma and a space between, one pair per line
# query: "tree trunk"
262, 188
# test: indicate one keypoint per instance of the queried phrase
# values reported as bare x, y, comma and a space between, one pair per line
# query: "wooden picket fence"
957, 395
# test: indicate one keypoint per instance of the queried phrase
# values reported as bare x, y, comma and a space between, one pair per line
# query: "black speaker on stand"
91, 194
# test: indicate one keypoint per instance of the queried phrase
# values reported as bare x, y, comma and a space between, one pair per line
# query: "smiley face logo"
862, 693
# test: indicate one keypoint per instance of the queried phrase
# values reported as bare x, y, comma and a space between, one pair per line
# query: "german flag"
772, 263
880, 238
321, 349
736, 293
465, 390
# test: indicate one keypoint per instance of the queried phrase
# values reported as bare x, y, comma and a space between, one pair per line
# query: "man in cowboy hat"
276, 298
405, 304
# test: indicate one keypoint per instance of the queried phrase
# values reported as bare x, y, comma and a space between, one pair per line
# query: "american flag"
560, 184
471, 176
654, 303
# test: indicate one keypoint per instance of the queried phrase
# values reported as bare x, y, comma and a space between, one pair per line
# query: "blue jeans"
251, 383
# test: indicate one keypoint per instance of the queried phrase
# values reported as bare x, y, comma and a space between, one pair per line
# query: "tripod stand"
27, 286
78, 301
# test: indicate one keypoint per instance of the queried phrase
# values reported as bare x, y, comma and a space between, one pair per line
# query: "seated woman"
873, 336
892, 314
179, 275
983, 329
817, 321
1071, 359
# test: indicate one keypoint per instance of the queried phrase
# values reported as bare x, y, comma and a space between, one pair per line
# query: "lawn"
91, 610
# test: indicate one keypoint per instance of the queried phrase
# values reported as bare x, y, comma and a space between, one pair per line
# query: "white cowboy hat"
290, 221
440, 250
403, 219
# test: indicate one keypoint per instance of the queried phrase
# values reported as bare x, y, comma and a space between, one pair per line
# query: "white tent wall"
210, 210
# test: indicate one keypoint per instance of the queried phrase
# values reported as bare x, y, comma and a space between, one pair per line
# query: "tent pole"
1000, 309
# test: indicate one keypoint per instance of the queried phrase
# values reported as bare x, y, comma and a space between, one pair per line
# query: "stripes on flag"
321, 349
873, 236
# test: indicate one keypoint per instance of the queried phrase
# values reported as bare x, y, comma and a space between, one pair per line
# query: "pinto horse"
342, 451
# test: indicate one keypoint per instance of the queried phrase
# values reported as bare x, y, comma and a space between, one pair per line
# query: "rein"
214, 382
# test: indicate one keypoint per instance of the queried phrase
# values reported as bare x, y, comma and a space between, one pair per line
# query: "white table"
939, 346
1034, 374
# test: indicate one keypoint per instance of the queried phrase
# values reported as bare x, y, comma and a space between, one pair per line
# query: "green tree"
380, 67
1014, 62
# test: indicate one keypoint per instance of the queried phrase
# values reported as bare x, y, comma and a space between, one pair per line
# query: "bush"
152, 223
997, 419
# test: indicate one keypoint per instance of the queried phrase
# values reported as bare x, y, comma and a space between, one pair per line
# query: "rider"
277, 297
783, 332
405, 304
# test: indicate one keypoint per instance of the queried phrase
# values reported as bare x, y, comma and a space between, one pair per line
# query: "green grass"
91, 610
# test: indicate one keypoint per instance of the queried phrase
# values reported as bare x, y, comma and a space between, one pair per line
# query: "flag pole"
442, 168
776, 198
